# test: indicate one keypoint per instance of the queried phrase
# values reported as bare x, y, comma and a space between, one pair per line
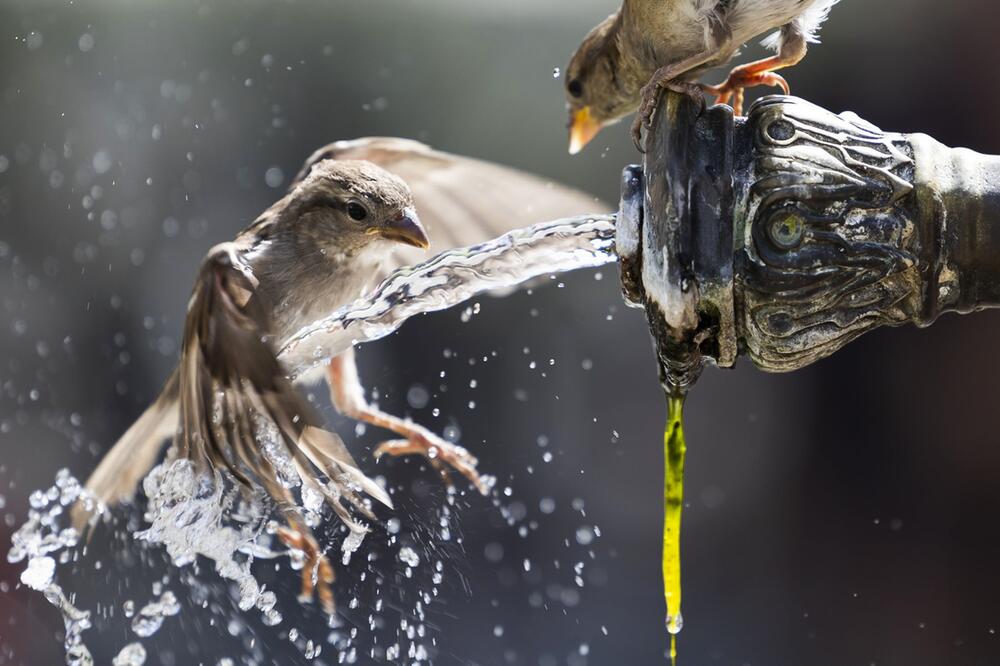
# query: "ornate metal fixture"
787, 234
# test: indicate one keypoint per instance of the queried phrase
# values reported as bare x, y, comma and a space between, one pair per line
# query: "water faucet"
787, 234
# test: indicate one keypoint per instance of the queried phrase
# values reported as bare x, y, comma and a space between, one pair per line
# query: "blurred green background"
846, 514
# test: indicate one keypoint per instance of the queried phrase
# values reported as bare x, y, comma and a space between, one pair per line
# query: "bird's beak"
406, 228
582, 128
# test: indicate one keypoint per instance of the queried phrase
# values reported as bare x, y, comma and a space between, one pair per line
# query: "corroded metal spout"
787, 234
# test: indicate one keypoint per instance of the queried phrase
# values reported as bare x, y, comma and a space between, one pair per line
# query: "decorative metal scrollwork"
789, 233
827, 233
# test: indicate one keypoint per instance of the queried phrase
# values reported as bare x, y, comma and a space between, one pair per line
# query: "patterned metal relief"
826, 222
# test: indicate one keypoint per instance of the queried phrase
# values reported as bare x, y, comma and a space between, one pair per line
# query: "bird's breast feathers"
304, 290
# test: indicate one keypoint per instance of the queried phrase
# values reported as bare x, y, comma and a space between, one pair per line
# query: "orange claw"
348, 397
317, 572
439, 453
760, 73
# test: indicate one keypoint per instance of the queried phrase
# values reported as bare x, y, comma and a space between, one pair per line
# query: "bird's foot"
650, 96
731, 91
439, 453
317, 572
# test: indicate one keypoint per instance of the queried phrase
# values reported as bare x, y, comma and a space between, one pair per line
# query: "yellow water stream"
674, 450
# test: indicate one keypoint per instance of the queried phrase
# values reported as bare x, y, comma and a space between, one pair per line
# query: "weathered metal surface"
786, 235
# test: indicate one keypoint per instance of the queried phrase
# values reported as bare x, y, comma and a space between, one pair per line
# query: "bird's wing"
238, 411
461, 201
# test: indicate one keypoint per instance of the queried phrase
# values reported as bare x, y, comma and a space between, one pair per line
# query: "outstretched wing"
461, 200
238, 411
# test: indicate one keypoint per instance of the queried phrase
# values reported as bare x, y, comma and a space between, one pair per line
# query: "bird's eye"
356, 211
575, 88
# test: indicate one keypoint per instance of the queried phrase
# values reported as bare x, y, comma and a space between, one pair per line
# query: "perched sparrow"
651, 44
337, 231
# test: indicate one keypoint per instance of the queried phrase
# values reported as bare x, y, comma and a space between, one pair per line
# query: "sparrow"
349, 218
647, 45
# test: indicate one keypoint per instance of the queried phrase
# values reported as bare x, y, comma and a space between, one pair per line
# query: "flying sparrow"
647, 45
347, 220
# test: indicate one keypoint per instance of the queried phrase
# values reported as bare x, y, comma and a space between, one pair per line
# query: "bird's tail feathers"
123, 467
807, 25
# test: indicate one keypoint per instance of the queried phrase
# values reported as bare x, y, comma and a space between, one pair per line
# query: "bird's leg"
317, 572
761, 72
347, 395
666, 78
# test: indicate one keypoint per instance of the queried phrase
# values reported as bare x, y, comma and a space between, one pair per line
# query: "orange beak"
582, 128
406, 229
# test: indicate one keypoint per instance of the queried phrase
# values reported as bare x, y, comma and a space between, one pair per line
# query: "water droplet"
675, 623
132, 654
34, 40
39, 573
417, 397
101, 161
150, 618
274, 177
409, 556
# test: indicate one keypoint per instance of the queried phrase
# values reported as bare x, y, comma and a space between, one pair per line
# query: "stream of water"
452, 277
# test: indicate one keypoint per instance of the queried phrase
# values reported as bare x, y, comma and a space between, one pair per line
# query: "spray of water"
40, 541
452, 277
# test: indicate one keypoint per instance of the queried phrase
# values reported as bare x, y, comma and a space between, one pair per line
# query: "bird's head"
595, 94
348, 206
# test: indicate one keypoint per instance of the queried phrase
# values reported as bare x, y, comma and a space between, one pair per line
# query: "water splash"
132, 654
150, 618
350, 545
39, 573
452, 277
39, 539
194, 513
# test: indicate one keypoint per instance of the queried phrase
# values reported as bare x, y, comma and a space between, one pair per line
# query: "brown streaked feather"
230, 374
460, 200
